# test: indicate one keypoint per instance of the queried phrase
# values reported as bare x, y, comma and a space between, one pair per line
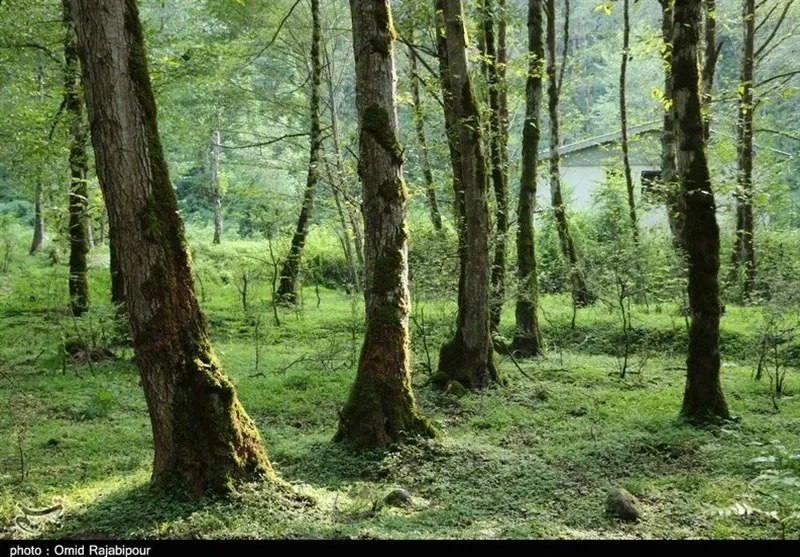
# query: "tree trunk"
78, 167
497, 145
581, 294
676, 210
703, 400
290, 274
422, 144
381, 409
709, 62
469, 357
527, 338
202, 436
38, 221
743, 250
347, 243
623, 116
117, 282
89, 233
216, 193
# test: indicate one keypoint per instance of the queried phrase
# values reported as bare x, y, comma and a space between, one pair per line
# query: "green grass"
532, 459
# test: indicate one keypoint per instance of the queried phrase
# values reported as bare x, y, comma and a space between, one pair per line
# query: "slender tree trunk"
497, 144
290, 274
676, 211
703, 400
581, 294
469, 357
202, 436
78, 166
711, 50
527, 338
623, 116
381, 409
101, 228
216, 193
347, 243
89, 233
422, 144
744, 249
38, 220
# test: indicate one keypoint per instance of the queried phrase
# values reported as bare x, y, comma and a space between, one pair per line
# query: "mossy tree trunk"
290, 273
469, 357
38, 220
422, 142
703, 400
676, 212
623, 117
202, 437
711, 52
527, 338
744, 248
78, 168
381, 409
497, 145
581, 294
216, 193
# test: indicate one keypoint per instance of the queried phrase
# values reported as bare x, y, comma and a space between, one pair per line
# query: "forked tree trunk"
581, 294
711, 54
216, 193
673, 198
703, 400
623, 117
469, 357
78, 168
527, 338
202, 436
422, 143
381, 409
290, 274
38, 220
497, 145
744, 249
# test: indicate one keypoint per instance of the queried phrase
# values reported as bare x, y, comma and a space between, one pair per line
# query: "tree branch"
779, 132
266, 143
776, 77
35, 46
775, 29
274, 37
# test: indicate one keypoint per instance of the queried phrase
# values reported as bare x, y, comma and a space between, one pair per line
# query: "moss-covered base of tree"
381, 413
215, 444
709, 408
526, 345
581, 294
457, 362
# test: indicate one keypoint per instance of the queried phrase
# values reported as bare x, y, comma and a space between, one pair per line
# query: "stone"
622, 504
398, 498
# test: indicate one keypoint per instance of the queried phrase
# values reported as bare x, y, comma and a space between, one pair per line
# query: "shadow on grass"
331, 465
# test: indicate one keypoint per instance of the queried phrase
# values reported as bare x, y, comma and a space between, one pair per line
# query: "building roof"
612, 137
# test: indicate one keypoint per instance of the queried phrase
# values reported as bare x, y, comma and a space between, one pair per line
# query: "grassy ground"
532, 459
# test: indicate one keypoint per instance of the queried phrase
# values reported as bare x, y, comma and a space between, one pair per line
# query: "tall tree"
215, 146
78, 168
290, 274
422, 142
711, 55
497, 146
38, 220
469, 357
202, 436
381, 409
527, 338
743, 248
623, 117
703, 400
581, 294
672, 193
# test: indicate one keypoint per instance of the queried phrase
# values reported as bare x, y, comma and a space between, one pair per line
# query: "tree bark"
527, 338
703, 400
38, 220
78, 167
202, 436
623, 116
711, 51
744, 249
290, 274
216, 193
422, 144
469, 357
117, 282
381, 409
497, 144
676, 211
581, 294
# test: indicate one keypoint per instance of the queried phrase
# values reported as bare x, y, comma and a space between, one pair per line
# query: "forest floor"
532, 459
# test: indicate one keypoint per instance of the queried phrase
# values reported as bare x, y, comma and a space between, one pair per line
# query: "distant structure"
586, 164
